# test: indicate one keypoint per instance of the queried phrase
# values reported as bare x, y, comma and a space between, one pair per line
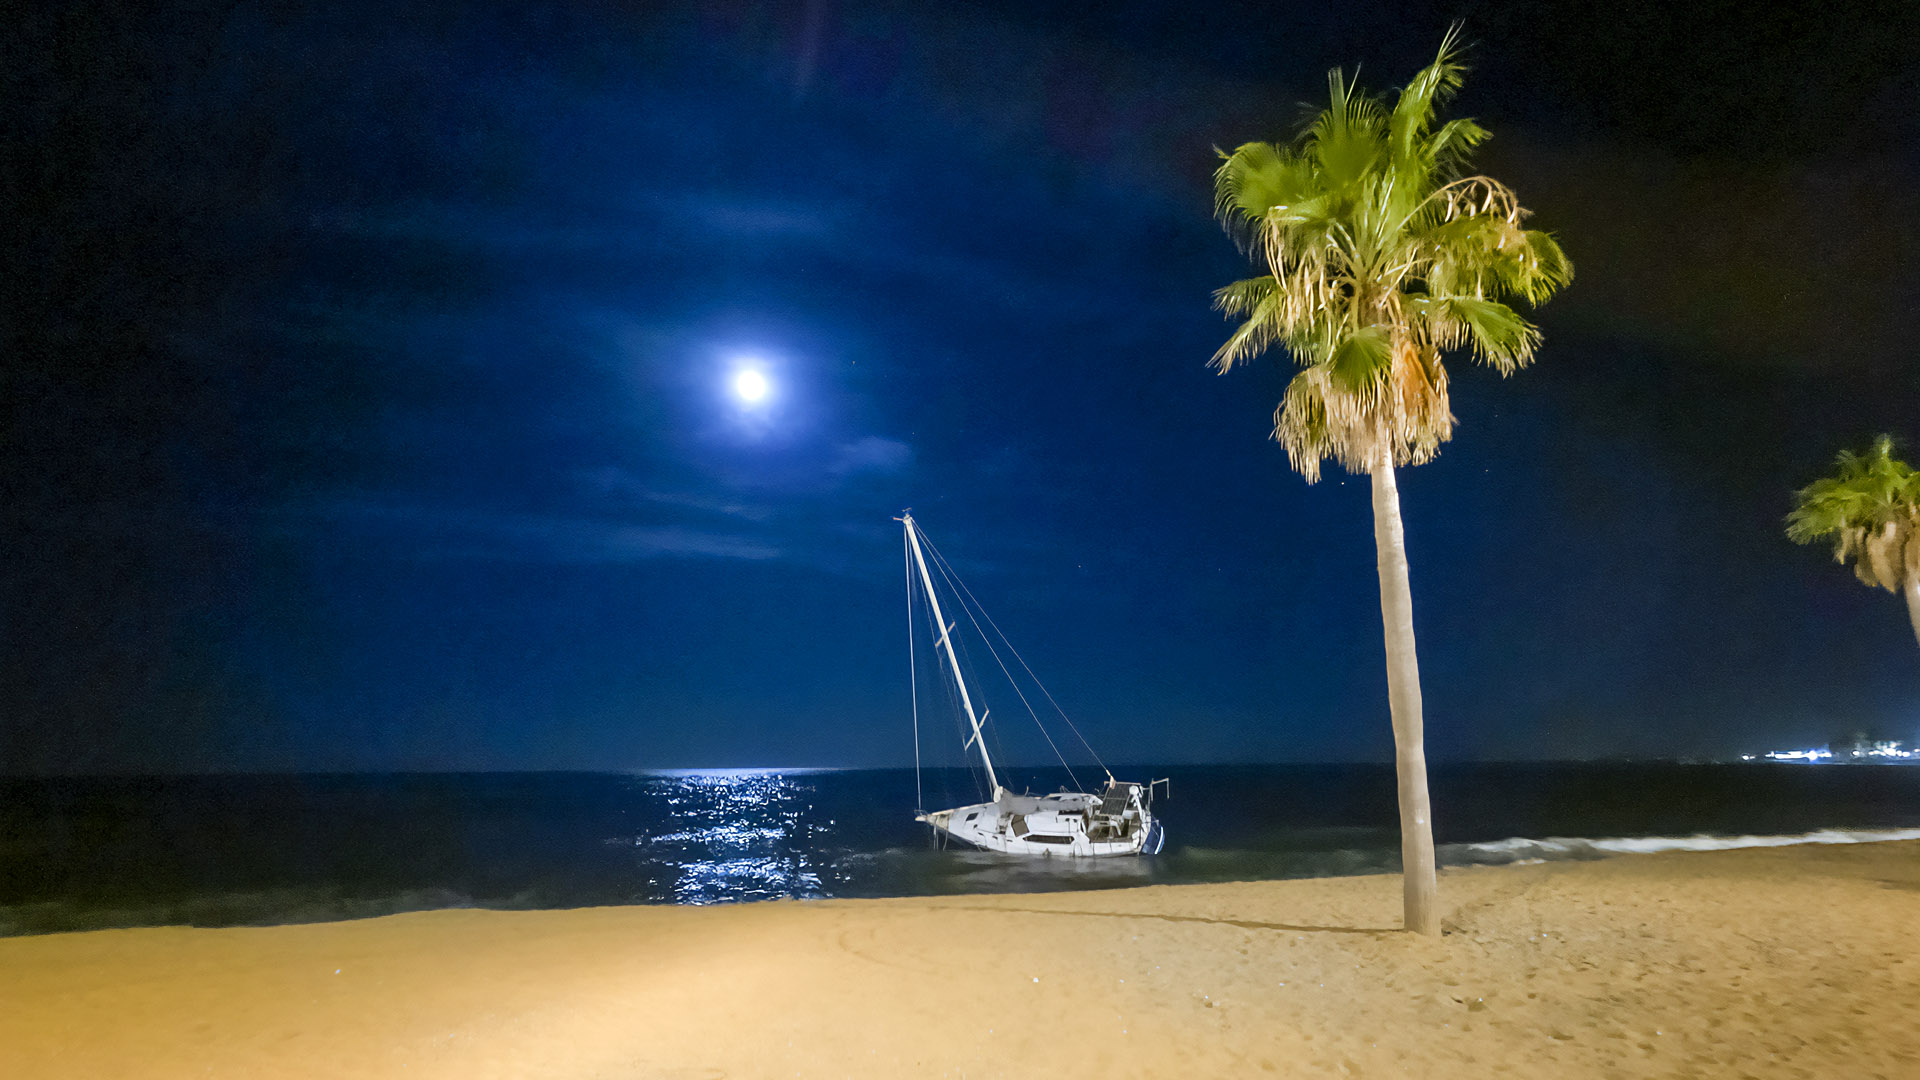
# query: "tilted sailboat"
1116, 821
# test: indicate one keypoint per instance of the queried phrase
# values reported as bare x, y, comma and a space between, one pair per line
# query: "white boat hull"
1069, 825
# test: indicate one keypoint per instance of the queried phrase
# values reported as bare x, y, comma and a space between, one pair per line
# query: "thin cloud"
617, 484
524, 537
871, 454
743, 217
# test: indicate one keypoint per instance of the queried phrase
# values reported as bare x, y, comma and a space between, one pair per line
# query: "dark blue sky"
366, 398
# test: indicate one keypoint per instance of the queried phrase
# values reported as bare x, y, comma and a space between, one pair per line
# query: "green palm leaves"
1380, 257
1870, 508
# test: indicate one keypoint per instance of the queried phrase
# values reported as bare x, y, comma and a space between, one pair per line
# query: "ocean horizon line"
797, 770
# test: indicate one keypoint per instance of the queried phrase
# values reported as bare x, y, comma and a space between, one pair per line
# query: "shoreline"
298, 906
1761, 960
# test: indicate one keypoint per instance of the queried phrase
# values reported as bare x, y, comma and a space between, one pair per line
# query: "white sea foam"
1524, 849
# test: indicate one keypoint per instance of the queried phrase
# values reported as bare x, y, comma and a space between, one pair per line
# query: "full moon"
750, 386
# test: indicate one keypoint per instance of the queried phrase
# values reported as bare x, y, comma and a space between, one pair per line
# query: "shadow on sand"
1244, 924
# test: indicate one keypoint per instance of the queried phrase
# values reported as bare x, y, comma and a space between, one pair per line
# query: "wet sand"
1788, 962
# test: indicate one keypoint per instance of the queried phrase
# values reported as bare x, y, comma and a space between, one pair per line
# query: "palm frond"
1452, 146
1380, 256
1300, 424
1870, 508
1499, 337
1346, 141
1257, 302
1360, 365
1550, 269
1253, 179
1413, 111
1884, 552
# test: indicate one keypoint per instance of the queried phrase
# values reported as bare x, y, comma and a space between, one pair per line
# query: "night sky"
366, 383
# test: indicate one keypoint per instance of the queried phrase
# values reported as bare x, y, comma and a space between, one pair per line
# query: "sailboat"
1116, 820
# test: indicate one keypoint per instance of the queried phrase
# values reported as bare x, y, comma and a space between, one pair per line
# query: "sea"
229, 850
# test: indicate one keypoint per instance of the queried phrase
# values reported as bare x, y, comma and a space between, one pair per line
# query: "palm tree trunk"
1912, 589
1403, 698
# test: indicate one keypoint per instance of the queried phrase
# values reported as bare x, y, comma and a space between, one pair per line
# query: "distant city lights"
1885, 750
1861, 753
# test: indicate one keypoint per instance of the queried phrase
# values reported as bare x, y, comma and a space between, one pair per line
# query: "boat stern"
1155, 839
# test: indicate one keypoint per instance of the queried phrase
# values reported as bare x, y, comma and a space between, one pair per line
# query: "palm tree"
1871, 508
1381, 253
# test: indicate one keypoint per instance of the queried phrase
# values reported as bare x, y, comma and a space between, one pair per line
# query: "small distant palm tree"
1382, 253
1870, 506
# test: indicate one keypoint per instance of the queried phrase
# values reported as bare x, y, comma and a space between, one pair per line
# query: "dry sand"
1783, 962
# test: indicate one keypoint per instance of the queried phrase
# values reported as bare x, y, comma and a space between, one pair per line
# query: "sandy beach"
1791, 962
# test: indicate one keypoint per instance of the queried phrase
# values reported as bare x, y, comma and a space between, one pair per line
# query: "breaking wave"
1520, 849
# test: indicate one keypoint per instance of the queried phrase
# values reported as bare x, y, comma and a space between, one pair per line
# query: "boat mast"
946, 642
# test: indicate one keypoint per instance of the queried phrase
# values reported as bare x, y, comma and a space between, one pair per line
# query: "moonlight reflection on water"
759, 835
733, 835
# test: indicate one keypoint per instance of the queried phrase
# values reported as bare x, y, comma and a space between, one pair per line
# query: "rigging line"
1025, 666
955, 711
913, 678
947, 571
989, 735
1071, 726
954, 707
953, 580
